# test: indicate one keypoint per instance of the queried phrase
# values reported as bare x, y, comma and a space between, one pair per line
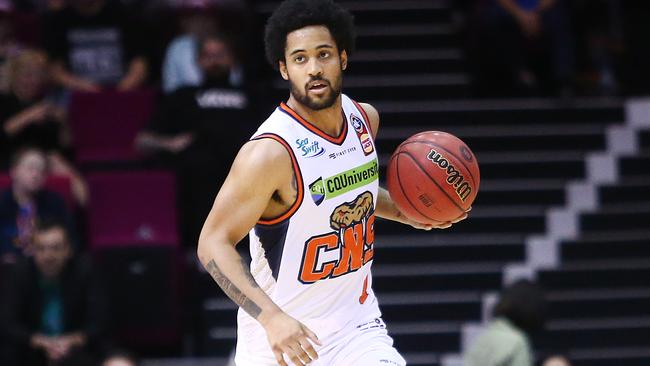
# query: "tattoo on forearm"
232, 291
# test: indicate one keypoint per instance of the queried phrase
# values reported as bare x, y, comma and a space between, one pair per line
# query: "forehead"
310, 37
55, 235
31, 158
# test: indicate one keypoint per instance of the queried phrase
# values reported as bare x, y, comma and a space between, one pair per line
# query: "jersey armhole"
296, 171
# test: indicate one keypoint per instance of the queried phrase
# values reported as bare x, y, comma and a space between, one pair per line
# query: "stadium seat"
104, 125
56, 183
132, 208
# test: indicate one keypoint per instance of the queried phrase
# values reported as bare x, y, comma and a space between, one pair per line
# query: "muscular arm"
260, 169
255, 175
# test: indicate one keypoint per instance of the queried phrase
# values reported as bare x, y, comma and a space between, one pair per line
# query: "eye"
324, 54
299, 59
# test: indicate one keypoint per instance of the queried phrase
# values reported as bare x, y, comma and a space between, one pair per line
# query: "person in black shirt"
54, 306
199, 130
29, 118
93, 45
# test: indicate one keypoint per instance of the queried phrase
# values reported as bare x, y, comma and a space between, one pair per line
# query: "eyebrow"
318, 47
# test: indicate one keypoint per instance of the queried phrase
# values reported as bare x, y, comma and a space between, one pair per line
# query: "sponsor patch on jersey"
340, 153
309, 149
362, 133
334, 186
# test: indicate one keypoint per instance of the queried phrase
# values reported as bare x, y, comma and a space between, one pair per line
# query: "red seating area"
105, 124
132, 208
58, 184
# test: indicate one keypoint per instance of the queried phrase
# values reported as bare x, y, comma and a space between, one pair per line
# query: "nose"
315, 68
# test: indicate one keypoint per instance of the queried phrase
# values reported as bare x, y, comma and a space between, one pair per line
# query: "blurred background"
119, 121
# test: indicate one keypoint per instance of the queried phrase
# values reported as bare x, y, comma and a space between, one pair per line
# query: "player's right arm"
261, 168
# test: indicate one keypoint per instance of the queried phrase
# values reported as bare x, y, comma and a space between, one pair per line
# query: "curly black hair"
296, 14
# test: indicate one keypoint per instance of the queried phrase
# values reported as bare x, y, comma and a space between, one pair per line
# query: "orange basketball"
433, 177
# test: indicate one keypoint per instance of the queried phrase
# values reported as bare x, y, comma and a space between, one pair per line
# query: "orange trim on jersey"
335, 140
365, 117
296, 171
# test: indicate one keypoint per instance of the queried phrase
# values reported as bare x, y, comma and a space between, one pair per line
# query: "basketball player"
306, 188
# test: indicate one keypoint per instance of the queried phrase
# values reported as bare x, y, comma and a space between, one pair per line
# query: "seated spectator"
180, 66
29, 118
93, 45
25, 203
199, 130
120, 358
54, 307
523, 47
505, 342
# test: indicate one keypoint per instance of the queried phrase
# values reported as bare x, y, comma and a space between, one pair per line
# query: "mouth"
318, 85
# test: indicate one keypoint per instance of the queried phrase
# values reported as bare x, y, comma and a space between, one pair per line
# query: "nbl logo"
356, 123
362, 134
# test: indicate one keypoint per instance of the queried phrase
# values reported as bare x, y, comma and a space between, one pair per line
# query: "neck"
21, 196
327, 120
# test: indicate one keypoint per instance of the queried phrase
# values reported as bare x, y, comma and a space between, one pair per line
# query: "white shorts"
365, 344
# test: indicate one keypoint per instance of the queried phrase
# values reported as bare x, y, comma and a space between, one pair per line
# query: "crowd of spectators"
54, 308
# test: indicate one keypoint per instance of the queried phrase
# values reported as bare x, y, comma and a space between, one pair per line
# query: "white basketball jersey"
314, 261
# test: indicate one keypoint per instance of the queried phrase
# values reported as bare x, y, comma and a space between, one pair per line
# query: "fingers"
460, 218
311, 335
279, 358
307, 346
298, 355
299, 350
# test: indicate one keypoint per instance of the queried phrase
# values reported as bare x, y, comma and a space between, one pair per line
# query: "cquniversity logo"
317, 191
336, 185
309, 150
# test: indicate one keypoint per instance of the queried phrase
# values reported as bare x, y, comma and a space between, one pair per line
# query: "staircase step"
518, 223
395, 61
636, 166
617, 217
462, 113
607, 303
582, 250
431, 336
425, 277
626, 191
644, 139
448, 254
596, 332
594, 275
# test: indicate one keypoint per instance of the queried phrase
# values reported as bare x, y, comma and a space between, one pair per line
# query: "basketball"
433, 177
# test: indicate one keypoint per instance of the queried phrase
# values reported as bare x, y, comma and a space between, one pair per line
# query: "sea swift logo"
309, 150
334, 186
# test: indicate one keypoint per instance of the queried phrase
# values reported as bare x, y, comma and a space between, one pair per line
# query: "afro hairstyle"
292, 15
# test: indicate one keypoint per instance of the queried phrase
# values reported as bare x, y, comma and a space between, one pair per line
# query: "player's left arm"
385, 206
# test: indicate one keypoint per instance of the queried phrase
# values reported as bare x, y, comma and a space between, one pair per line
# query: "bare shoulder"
373, 116
264, 157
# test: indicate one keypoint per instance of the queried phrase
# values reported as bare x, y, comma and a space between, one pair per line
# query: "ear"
344, 60
282, 66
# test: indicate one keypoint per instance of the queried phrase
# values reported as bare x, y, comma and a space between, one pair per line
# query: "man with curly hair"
306, 297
